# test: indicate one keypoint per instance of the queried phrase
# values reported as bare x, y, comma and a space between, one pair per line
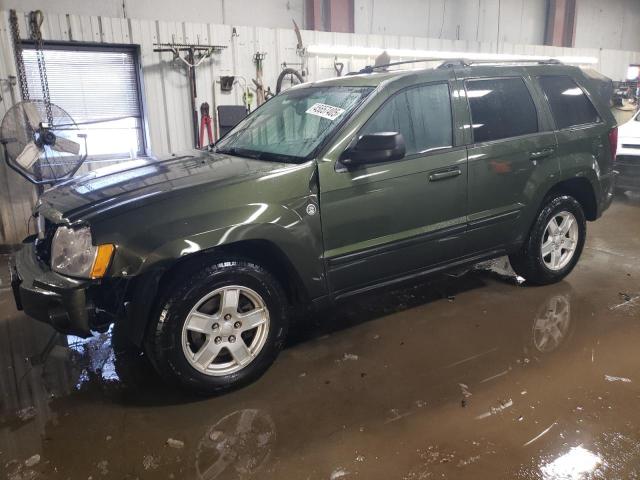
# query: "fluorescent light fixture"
335, 50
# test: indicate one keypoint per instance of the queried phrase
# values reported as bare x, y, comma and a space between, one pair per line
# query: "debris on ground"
502, 405
346, 357
338, 473
26, 414
103, 467
32, 461
175, 443
468, 461
610, 378
465, 390
149, 462
502, 268
629, 300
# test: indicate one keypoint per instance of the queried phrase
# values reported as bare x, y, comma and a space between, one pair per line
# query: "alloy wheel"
560, 240
225, 330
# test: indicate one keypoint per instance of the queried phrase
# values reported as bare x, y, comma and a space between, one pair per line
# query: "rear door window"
421, 114
569, 104
501, 108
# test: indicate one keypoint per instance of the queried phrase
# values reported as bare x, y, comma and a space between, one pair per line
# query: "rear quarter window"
569, 104
501, 108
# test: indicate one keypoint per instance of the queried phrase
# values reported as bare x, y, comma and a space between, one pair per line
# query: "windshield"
290, 126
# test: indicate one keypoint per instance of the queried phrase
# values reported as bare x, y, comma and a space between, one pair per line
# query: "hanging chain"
35, 21
17, 50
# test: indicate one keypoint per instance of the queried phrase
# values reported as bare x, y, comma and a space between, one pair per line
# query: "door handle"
544, 153
434, 177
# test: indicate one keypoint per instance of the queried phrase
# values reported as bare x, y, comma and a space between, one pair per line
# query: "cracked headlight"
73, 253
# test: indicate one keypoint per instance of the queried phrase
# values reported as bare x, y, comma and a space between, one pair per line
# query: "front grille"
631, 145
43, 245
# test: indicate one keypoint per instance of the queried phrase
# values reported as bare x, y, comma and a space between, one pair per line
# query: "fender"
294, 232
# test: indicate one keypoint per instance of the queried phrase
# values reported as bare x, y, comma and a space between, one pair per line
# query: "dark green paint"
374, 222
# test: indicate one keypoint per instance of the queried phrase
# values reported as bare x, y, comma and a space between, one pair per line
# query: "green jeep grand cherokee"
330, 189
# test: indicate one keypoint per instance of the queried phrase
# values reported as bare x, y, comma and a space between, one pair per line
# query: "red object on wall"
330, 15
561, 23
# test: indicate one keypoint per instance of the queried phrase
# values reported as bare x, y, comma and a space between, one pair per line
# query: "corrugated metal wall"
165, 83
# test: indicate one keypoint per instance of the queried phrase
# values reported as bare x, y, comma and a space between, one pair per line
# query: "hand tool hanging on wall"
205, 123
338, 66
195, 54
290, 76
247, 99
261, 94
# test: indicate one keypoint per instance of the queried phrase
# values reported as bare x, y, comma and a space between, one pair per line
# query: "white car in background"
628, 158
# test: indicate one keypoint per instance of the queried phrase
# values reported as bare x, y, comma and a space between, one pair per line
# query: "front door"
389, 220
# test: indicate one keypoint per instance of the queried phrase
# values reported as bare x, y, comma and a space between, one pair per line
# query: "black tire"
283, 74
163, 342
529, 262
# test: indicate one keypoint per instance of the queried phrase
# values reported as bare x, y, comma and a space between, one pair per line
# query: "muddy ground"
472, 377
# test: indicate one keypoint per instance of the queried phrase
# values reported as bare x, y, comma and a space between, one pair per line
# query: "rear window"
569, 104
501, 108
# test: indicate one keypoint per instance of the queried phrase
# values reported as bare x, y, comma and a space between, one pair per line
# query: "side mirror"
375, 148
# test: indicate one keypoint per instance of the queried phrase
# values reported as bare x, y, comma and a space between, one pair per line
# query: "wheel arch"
260, 251
152, 284
582, 190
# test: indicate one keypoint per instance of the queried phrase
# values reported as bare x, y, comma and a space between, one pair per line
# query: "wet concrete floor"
460, 377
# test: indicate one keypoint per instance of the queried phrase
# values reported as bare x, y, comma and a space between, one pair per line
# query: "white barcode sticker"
325, 111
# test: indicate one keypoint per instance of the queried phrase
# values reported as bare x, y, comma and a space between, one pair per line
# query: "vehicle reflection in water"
552, 323
239, 444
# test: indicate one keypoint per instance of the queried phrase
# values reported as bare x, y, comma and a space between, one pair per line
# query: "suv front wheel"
218, 327
554, 244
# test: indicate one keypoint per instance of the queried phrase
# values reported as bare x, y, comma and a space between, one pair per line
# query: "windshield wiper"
279, 157
239, 152
257, 155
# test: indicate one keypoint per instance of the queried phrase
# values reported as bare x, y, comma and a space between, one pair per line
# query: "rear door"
512, 152
387, 220
583, 135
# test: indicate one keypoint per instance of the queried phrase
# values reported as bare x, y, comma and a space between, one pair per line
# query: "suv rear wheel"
218, 328
555, 242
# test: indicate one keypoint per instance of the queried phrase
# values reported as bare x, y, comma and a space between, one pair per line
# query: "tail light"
613, 143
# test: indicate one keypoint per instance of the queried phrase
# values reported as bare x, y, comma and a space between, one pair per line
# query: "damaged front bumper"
67, 304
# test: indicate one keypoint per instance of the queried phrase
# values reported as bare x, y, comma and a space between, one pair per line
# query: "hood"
631, 129
142, 180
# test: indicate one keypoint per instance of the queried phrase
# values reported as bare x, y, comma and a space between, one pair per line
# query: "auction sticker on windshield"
325, 111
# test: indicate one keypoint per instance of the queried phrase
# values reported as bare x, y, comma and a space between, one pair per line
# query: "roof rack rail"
461, 62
